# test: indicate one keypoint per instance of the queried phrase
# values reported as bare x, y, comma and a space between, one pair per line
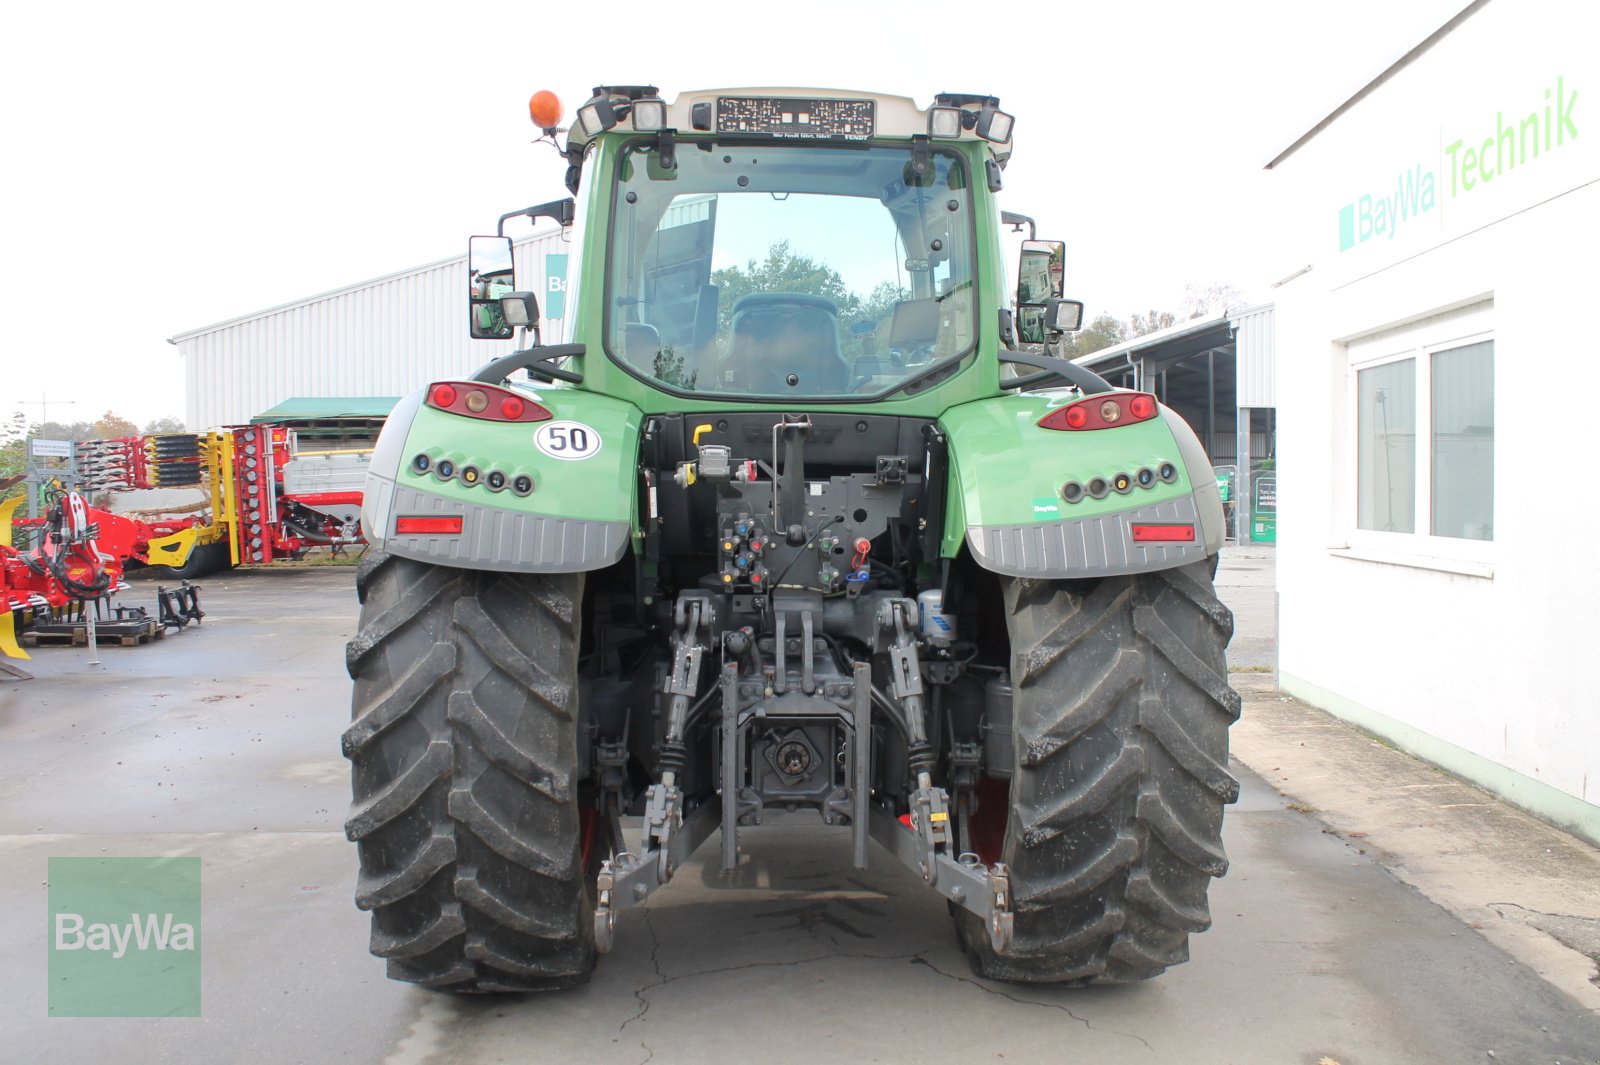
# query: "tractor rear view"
804, 516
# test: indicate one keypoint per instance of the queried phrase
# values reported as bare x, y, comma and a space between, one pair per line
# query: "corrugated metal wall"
1255, 358
385, 337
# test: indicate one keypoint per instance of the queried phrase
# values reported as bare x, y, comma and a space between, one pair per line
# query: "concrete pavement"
1333, 938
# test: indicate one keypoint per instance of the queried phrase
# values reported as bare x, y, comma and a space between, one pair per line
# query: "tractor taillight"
485, 402
1102, 411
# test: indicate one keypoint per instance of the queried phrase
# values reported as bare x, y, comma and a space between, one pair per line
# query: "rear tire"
464, 748
1121, 709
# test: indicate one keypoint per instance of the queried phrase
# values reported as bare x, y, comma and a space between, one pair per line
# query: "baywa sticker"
567, 440
1045, 509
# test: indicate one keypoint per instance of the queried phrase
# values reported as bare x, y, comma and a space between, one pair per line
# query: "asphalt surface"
222, 742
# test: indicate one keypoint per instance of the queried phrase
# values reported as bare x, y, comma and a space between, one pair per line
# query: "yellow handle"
699, 431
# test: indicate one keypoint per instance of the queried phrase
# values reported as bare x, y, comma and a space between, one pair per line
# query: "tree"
62, 431
1217, 297
1104, 332
1145, 324
111, 426
165, 424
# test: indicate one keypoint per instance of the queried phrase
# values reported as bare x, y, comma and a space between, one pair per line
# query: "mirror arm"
1011, 218
1089, 382
562, 211
534, 360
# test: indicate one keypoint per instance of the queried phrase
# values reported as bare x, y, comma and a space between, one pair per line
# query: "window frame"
1419, 341
939, 370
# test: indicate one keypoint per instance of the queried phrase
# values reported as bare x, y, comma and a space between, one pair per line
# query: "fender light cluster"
1120, 483
423, 463
489, 403
1102, 411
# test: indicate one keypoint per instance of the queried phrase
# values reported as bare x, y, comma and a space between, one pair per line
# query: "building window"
1386, 439
1423, 406
1463, 441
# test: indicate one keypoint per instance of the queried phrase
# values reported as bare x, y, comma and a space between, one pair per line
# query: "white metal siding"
1255, 358
385, 337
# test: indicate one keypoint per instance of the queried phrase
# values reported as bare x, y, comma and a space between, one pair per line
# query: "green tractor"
806, 515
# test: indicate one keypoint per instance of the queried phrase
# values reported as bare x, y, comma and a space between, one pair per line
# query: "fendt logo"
124, 937
1469, 163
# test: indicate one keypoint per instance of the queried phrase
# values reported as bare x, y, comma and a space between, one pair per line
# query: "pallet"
126, 632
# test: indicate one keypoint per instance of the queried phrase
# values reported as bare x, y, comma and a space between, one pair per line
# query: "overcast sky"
172, 165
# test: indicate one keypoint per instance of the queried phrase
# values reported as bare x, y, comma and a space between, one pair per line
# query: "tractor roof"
792, 113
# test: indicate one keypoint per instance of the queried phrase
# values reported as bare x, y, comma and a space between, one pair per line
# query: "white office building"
1438, 377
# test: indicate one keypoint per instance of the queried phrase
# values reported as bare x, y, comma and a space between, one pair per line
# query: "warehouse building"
1436, 365
384, 337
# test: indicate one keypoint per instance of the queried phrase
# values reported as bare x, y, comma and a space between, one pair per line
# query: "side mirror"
491, 276
1041, 273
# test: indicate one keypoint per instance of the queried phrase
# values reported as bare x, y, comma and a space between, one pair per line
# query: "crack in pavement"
638, 992
1545, 913
1576, 932
919, 959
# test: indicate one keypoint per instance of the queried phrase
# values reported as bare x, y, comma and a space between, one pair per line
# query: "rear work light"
1102, 411
448, 525
1162, 534
489, 403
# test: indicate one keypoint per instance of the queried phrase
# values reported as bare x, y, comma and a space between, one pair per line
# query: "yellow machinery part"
216, 453
173, 550
8, 633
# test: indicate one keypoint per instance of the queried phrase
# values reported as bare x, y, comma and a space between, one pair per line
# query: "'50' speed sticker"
567, 440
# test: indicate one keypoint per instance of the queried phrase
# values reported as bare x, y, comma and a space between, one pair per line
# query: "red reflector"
443, 395
1148, 534
1077, 417
512, 407
1141, 406
445, 526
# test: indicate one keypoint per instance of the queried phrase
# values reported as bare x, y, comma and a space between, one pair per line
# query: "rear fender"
578, 515
1007, 505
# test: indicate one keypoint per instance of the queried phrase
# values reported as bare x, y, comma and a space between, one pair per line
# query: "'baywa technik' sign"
1470, 160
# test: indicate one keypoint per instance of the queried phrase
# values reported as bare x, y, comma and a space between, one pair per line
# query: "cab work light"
649, 114
944, 122
486, 402
1102, 411
597, 116
448, 525
1162, 534
993, 126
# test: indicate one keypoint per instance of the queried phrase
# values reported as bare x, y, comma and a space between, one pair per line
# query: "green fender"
582, 463
1006, 503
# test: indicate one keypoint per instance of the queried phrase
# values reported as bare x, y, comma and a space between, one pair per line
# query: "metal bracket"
629, 879
967, 882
